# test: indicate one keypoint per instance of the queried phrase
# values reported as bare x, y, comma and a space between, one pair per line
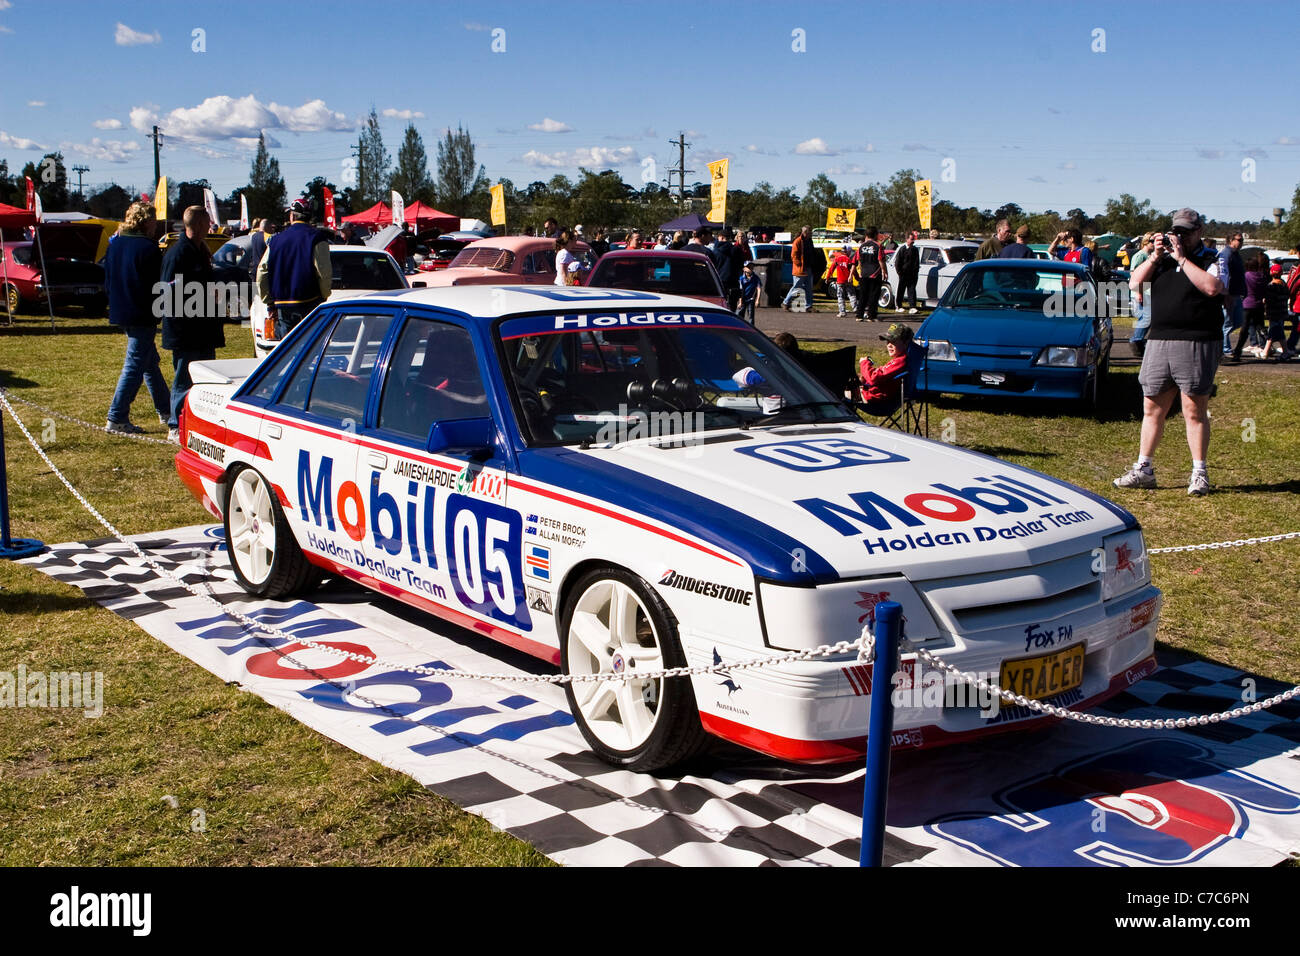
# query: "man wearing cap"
882, 389
991, 247
1018, 247
1184, 345
294, 275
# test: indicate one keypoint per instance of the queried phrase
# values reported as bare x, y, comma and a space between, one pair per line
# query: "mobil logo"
1152, 803
820, 454
996, 494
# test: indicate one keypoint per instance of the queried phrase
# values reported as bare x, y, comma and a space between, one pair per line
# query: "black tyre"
263, 553
886, 298
613, 622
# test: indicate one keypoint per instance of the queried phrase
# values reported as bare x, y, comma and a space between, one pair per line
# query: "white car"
621, 482
356, 269
941, 260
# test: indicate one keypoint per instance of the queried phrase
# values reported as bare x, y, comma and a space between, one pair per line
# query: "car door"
440, 527
931, 260
310, 431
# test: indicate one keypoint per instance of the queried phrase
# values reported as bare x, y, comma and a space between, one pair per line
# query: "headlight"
941, 351
798, 618
1123, 564
1063, 356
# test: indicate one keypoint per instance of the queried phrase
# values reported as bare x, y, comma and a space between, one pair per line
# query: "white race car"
356, 269
621, 482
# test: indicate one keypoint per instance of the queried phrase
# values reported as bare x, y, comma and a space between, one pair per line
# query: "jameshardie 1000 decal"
621, 482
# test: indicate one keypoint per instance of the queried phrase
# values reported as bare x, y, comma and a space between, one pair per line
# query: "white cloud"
104, 150
852, 169
815, 147
549, 125
753, 148
1037, 179
250, 142
18, 142
207, 152
36, 103
5, 29
107, 124
590, 157
226, 117
125, 36
5, 4
1068, 164
402, 114
477, 27
1285, 141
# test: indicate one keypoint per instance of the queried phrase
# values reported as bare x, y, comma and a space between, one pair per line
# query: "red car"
74, 278
659, 270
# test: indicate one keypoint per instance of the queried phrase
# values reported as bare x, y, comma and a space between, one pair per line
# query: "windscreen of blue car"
1025, 290
595, 378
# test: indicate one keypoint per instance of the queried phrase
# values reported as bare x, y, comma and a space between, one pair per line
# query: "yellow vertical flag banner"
160, 200
718, 190
841, 220
498, 204
924, 195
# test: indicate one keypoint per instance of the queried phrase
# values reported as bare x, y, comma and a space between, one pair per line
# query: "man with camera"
1183, 290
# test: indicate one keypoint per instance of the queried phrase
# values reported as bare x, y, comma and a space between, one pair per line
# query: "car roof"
657, 253
517, 243
1038, 265
946, 243
493, 301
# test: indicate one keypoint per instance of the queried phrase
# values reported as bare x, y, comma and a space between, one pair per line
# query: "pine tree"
373, 165
462, 186
411, 176
265, 190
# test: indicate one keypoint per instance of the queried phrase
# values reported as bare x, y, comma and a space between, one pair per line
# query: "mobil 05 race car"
619, 482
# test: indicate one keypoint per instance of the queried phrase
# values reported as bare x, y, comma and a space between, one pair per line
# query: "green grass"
90, 791
81, 791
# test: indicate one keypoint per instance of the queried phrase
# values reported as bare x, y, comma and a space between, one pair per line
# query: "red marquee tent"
376, 215
12, 217
423, 216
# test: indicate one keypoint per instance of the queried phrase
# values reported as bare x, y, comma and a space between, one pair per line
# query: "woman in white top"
569, 266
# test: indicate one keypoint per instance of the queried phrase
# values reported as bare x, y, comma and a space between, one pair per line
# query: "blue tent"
689, 224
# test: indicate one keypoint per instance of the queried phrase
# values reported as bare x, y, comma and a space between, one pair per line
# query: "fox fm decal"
433, 537
1156, 802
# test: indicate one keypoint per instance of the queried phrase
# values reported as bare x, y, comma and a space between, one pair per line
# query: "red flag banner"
330, 221
31, 194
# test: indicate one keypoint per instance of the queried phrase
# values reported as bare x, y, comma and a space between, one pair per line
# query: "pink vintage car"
512, 260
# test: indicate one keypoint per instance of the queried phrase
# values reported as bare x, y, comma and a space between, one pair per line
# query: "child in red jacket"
882, 389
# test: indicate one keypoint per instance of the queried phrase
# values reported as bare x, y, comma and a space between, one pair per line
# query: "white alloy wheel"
252, 538
610, 632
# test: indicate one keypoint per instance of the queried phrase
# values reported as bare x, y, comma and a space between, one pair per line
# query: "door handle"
377, 460
273, 431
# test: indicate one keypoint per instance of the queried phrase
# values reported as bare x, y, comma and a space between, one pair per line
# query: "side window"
280, 361
544, 261
295, 395
931, 257
346, 365
432, 376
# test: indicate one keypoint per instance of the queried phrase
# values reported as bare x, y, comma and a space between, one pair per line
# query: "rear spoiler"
222, 371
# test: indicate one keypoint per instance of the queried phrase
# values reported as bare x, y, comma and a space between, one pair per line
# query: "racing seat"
913, 412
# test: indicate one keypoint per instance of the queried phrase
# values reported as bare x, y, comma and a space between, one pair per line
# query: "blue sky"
1013, 95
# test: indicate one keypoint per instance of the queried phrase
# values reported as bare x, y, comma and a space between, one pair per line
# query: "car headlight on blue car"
1063, 356
1123, 564
940, 350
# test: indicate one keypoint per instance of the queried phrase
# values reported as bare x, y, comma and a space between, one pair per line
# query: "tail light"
268, 329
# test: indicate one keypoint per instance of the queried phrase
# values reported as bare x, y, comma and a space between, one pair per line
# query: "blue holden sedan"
1019, 327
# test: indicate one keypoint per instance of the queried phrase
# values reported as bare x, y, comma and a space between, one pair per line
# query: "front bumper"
968, 377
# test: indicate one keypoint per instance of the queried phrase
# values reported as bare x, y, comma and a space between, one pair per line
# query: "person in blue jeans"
191, 338
131, 270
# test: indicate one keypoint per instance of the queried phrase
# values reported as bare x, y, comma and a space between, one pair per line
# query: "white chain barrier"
77, 421
864, 646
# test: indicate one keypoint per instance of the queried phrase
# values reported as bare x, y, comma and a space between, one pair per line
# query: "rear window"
485, 257
962, 253
368, 270
657, 274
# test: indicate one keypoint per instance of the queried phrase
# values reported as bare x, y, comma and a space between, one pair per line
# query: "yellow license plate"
1046, 675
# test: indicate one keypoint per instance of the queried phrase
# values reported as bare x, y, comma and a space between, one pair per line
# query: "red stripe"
510, 638
224, 435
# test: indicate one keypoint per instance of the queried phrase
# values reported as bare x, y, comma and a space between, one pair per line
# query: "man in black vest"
194, 332
907, 266
871, 271
294, 275
1183, 345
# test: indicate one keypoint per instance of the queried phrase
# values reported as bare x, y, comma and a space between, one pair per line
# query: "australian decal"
552, 529
709, 589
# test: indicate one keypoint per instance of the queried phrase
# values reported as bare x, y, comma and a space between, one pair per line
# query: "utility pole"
79, 170
680, 169
157, 143
357, 152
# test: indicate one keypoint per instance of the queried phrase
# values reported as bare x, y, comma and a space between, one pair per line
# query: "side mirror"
472, 437
419, 284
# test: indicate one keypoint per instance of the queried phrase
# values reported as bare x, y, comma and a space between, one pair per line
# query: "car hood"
1003, 327
69, 240
822, 503
470, 275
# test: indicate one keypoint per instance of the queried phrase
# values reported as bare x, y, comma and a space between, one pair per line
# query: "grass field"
78, 791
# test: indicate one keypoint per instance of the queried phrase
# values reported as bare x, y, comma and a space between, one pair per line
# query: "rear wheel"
263, 553
614, 624
886, 298
13, 299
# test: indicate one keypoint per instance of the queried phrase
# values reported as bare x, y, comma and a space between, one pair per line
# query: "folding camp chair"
913, 412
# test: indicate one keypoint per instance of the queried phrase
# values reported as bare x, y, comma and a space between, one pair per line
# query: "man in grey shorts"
1184, 345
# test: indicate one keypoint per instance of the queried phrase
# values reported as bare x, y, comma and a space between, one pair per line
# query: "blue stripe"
771, 553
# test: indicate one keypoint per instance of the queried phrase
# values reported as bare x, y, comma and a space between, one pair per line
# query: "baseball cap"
1188, 219
300, 206
898, 333
1275, 269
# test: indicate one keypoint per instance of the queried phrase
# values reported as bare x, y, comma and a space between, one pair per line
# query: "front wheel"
614, 624
886, 298
13, 299
263, 553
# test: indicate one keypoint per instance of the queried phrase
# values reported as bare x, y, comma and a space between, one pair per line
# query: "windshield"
679, 276
364, 270
654, 374
484, 257
1027, 290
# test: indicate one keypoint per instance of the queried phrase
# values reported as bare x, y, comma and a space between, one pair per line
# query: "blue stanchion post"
11, 547
880, 732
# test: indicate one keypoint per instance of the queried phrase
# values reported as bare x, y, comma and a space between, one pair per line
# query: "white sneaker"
174, 436
162, 419
841, 315
123, 428
1137, 477
1200, 484
913, 311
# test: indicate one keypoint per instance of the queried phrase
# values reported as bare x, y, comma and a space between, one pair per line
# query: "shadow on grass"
9, 380
38, 602
1120, 401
